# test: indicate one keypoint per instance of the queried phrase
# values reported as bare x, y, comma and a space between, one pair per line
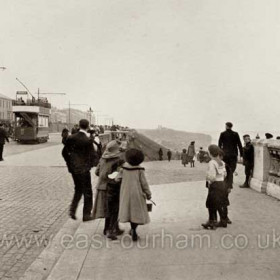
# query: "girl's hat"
112, 150
134, 157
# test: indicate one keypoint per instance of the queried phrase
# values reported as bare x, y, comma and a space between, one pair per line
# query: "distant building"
6, 111
58, 116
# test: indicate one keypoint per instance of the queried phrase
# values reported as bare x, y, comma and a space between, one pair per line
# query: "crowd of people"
122, 188
222, 160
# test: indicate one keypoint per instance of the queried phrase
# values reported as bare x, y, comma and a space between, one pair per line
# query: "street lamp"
90, 111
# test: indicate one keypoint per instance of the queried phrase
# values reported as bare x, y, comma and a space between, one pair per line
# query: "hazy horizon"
187, 65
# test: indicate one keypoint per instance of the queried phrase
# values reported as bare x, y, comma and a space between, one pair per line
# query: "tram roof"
31, 109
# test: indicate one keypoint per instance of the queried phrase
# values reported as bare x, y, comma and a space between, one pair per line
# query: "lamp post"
90, 111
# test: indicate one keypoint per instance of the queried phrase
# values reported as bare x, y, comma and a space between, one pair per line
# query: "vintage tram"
31, 119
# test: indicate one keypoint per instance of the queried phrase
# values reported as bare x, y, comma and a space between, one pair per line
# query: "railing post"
273, 185
261, 166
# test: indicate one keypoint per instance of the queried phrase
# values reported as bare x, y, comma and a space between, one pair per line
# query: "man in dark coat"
79, 155
230, 143
248, 159
3, 138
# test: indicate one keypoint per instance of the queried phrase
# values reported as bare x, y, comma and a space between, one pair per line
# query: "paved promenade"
173, 245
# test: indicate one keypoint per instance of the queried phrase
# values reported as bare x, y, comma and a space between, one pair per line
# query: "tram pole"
69, 112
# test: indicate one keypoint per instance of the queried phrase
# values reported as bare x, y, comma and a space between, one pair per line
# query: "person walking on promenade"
184, 157
134, 192
160, 154
217, 190
106, 204
75, 129
3, 138
79, 155
229, 142
191, 153
64, 135
248, 159
169, 155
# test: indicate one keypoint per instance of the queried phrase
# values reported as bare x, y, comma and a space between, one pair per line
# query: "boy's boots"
223, 223
112, 235
209, 225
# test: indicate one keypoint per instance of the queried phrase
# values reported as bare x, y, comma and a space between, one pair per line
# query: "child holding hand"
134, 192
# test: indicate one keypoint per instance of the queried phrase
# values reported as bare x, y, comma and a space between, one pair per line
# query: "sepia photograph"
139, 140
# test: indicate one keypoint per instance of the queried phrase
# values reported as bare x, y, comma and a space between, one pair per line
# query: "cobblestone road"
33, 207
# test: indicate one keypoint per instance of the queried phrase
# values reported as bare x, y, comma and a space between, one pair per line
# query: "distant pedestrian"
75, 129
169, 155
217, 190
191, 153
230, 143
248, 160
268, 136
160, 154
64, 135
134, 192
79, 155
3, 138
184, 157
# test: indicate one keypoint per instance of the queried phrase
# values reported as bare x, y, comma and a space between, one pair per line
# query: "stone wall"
266, 176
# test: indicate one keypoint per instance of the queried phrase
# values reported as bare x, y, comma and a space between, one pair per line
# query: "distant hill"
175, 139
149, 147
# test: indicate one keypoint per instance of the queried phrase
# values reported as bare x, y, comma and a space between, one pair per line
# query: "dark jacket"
229, 142
3, 136
248, 154
78, 153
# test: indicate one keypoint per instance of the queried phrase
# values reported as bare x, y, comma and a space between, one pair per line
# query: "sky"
190, 65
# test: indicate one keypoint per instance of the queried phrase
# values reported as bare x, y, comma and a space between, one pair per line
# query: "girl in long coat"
134, 192
217, 190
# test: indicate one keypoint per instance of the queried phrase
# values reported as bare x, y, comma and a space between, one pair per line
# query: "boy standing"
248, 159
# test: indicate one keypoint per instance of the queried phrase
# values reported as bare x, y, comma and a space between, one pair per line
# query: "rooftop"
5, 97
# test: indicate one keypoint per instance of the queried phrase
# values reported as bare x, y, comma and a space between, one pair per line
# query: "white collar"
83, 131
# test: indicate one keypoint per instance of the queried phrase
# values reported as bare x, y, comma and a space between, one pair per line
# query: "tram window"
43, 121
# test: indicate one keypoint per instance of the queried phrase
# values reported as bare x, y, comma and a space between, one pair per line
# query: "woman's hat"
112, 150
134, 157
